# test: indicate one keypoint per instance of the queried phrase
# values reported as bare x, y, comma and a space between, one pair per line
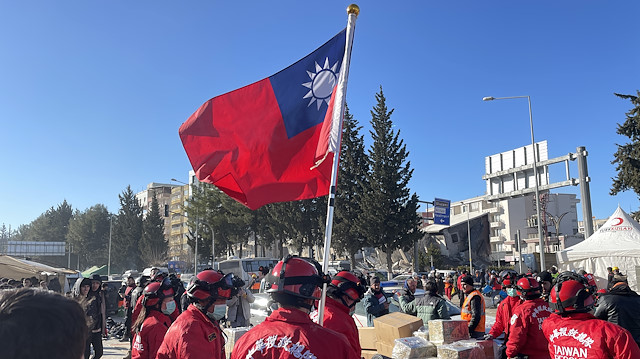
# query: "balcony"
498, 238
497, 224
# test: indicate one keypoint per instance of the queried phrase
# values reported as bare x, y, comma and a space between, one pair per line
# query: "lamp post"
468, 236
535, 173
109, 261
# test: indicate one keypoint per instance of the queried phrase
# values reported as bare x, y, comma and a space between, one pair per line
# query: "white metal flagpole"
336, 139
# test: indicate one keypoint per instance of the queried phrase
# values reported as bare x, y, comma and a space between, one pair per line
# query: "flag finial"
353, 9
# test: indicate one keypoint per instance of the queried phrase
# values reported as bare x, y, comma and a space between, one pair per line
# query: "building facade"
162, 192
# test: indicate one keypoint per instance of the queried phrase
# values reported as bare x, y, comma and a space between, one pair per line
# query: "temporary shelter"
615, 244
15, 268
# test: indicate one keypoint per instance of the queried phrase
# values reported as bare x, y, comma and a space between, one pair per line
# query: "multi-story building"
162, 192
511, 216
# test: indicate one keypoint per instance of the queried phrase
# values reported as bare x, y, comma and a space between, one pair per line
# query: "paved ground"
113, 348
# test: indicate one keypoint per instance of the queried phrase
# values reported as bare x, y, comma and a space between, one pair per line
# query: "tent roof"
95, 270
619, 236
15, 268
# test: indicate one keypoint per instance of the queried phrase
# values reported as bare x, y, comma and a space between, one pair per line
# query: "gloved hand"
488, 337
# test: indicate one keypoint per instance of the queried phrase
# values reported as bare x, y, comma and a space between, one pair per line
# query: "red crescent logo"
620, 221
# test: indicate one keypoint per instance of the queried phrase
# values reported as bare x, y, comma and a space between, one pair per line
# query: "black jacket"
621, 306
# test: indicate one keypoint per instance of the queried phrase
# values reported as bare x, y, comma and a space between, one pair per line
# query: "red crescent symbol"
619, 223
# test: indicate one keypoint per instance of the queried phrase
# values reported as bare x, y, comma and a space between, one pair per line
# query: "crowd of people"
544, 315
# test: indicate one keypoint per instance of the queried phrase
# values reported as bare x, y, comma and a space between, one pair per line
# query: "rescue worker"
473, 309
376, 303
125, 294
429, 307
289, 332
153, 320
545, 279
621, 306
196, 333
526, 337
343, 293
506, 307
575, 333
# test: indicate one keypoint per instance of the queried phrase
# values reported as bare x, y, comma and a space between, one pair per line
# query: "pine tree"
346, 236
50, 226
89, 235
389, 211
127, 233
153, 246
627, 157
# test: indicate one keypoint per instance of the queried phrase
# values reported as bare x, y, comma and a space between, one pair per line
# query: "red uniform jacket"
147, 342
503, 316
290, 333
137, 307
526, 330
337, 318
193, 336
581, 335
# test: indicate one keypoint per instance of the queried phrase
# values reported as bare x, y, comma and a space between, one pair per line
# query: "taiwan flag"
269, 141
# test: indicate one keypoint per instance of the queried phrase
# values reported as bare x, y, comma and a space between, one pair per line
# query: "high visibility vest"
466, 311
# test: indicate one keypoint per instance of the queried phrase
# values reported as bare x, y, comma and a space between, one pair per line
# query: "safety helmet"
297, 277
347, 283
210, 285
570, 296
528, 287
508, 277
155, 293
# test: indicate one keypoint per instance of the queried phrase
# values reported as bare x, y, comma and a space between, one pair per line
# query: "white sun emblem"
322, 83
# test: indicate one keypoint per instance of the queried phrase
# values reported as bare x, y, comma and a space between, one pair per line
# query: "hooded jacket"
621, 306
427, 308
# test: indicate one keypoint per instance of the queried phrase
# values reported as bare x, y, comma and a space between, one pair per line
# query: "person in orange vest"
473, 308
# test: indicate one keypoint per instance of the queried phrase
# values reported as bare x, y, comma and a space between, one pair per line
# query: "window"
454, 237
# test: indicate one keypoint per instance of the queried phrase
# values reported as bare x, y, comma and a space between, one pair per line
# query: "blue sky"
92, 93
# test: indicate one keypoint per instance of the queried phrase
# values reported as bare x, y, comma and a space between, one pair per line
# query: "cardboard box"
443, 331
394, 326
233, 334
367, 337
486, 345
368, 354
385, 349
453, 351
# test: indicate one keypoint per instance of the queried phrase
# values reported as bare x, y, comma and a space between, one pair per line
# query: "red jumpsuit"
503, 316
137, 307
193, 336
581, 335
290, 333
337, 318
526, 336
147, 342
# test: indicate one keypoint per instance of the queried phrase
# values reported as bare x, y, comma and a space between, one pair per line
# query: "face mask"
511, 292
218, 312
171, 307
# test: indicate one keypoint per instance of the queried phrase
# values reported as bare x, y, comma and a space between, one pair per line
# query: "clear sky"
92, 93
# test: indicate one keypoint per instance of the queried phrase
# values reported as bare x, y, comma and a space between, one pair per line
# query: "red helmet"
570, 296
528, 287
155, 292
347, 283
297, 277
210, 285
508, 277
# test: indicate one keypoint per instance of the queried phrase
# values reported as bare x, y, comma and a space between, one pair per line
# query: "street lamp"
468, 237
535, 173
109, 261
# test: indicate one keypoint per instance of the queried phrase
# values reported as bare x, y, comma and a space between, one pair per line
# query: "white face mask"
511, 292
170, 308
218, 313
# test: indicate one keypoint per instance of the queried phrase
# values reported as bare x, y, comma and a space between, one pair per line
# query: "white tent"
615, 244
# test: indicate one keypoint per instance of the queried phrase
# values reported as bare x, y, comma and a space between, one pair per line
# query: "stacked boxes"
448, 331
233, 334
393, 326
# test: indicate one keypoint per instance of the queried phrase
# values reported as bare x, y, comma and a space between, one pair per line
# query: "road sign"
441, 209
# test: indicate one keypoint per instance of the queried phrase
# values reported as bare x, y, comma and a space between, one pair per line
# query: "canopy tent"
615, 244
17, 269
102, 270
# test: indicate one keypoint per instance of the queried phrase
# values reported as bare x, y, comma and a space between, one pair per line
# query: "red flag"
260, 144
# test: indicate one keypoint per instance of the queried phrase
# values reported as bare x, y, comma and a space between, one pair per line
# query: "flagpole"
338, 113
